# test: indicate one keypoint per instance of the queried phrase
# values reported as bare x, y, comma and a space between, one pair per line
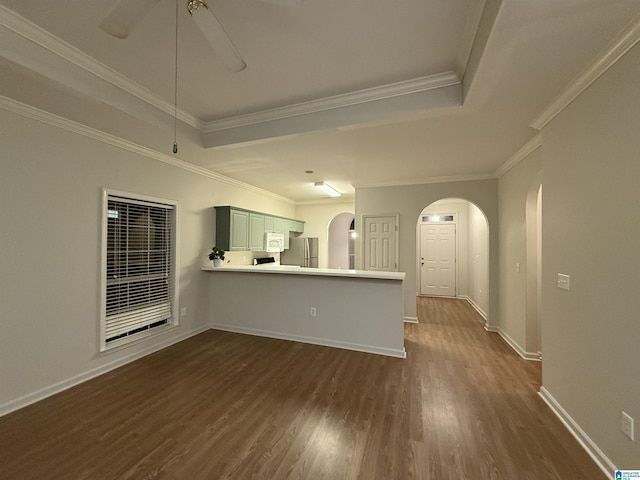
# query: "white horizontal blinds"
139, 277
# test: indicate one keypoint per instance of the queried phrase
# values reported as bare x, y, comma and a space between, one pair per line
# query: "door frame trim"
456, 253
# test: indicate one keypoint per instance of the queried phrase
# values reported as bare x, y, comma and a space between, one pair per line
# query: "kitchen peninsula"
351, 309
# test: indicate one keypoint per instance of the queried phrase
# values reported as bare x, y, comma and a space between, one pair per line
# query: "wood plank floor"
220, 405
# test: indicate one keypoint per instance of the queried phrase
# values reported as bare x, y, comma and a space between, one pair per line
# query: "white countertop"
295, 270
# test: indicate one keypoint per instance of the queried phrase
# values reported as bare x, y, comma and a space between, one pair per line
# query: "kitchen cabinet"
268, 224
278, 225
232, 229
256, 231
291, 226
296, 226
238, 229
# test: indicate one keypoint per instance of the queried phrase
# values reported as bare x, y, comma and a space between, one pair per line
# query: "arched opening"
452, 252
534, 267
341, 241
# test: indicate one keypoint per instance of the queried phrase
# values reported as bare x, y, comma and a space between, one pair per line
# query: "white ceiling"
383, 92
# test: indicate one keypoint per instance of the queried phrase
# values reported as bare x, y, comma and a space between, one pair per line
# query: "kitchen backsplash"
246, 257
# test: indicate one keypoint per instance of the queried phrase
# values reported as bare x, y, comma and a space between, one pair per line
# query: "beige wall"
408, 202
514, 188
50, 192
478, 258
317, 218
591, 231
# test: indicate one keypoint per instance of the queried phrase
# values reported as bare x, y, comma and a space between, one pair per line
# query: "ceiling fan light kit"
215, 34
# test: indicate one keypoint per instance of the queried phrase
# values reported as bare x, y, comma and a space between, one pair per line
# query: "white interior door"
438, 259
380, 243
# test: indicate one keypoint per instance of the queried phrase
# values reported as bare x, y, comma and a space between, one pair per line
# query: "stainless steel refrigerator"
302, 251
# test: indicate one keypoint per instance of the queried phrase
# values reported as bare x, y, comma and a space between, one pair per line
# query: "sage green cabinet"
296, 226
256, 231
239, 239
278, 225
289, 225
241, 230
268, 224
232, 229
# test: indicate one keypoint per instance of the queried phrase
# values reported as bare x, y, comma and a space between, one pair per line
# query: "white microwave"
273, 242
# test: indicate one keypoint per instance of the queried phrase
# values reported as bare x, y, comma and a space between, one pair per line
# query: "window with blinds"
139, 270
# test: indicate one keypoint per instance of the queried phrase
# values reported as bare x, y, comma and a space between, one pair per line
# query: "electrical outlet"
183, 312
627, 425
313, 311
517, 267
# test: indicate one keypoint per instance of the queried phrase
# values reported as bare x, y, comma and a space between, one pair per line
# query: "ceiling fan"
125, 14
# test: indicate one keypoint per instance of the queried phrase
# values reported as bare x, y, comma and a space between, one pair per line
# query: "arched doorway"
452, 252
341, 241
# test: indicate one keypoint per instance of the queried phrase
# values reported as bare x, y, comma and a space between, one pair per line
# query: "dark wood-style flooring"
220, 405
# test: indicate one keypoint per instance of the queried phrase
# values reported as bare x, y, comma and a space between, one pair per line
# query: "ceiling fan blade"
124, 15
217, 37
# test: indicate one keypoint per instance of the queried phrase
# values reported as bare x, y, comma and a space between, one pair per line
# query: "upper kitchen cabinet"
256, 231
278, 225
296, 226
232, 229
289, 226
240, 229
268, 224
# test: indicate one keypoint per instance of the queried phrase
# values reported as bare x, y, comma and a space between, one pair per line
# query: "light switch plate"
564, 281
627, 425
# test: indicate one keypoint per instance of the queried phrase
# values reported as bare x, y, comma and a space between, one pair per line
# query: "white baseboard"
43, 393
536, 357
606, 465
410, 319
390, 352
474, 305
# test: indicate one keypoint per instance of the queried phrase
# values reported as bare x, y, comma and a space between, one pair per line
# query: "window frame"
173, 321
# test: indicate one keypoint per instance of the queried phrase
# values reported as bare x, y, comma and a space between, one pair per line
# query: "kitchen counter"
352, 309
295, 270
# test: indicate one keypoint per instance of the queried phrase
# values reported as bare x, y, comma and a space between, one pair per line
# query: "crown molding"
620, 45
36, 34
382, 92
39, 36
39, 115
531, 146
447, 179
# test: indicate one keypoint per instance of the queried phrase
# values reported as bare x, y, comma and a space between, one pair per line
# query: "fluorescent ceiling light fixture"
329, 190
215, 35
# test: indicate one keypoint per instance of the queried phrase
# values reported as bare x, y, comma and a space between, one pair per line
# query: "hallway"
481, 414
